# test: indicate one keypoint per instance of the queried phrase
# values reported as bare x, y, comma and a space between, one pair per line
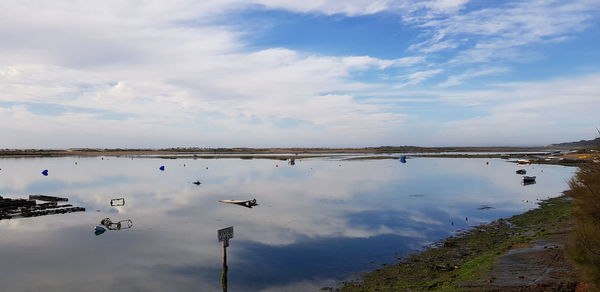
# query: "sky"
311, 73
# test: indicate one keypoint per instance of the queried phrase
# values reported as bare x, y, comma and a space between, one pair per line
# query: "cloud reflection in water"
317, 222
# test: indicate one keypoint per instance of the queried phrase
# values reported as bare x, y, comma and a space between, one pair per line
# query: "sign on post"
225, 234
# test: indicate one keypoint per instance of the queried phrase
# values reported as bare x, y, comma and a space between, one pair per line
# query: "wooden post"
224, 235
225, 268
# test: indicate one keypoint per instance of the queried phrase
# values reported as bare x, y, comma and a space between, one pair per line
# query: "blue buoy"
99, 230
162, 168
45, 172
403, 159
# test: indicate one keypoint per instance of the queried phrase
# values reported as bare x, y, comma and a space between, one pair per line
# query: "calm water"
318, 222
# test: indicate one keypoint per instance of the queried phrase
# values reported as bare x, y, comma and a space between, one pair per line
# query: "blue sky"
288, 73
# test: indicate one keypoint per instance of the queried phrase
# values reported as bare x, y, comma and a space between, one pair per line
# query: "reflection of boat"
521, 171
245, 203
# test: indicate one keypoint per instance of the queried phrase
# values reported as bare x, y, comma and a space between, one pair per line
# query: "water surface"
319, 221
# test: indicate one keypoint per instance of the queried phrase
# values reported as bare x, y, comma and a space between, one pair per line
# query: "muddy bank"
521, 253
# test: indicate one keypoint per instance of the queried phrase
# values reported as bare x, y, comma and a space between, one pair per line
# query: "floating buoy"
276, 165
162, 168
99, 230
45, 172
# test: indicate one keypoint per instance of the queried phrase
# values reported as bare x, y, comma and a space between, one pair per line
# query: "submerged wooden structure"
19, 208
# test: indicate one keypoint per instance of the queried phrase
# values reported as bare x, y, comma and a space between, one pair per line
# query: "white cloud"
117, 72
491, 33
550, 111
171, 81
458, 79
446, 6
420, 76
351, 7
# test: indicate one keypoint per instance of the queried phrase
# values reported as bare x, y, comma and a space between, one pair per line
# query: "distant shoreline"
537, 155
244, 152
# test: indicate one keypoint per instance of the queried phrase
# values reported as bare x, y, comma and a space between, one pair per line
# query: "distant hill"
578, 144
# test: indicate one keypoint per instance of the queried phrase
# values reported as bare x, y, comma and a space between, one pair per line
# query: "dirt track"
537, 266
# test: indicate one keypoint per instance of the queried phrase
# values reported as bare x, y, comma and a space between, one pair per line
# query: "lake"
318, 222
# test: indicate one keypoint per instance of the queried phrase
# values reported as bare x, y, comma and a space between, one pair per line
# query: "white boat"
245, 203
523, 161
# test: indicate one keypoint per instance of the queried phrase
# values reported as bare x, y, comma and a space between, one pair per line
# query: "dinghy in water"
527, 180
245, 203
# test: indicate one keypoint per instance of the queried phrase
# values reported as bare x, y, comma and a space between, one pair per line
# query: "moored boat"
526, 178
245, 203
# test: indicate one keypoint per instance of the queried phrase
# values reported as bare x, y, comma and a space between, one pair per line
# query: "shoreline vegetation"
584, 247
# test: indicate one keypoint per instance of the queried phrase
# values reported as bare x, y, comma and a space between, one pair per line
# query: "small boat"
527, 179
523, 161
521, 171
245, 203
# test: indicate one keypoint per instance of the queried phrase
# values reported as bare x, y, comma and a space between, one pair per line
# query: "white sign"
225, 234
